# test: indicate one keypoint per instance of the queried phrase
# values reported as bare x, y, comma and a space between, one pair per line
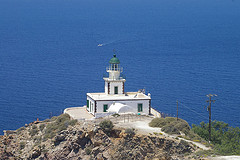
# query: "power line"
192, 110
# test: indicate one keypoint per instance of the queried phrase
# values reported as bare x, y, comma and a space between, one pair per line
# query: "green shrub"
57, 125
170, 129
37, 139
72, 122
61, 122
185, 143
42, 126
51, 127
20, 129
172, 119
106, 126
22, 145
47, 120
45, 150
226, 139
88, 150
157, 122
62, 118
53, 118
205, 153
33, 131
34, 127
170, 125
62, 126
130, 131
196, 140
49, 136
183, 126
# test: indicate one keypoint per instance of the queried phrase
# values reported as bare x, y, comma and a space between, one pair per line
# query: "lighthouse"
114, 83
115, 99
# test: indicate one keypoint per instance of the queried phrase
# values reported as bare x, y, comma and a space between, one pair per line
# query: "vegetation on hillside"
57, 125
171, 125
226, 139
106, 126
180, 127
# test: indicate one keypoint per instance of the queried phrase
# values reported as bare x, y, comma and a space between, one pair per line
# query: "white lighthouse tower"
114, 83
115, 99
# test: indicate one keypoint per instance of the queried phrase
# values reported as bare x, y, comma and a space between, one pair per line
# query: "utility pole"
177, 110
209, 110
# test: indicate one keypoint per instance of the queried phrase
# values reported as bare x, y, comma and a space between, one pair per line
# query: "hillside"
62, 138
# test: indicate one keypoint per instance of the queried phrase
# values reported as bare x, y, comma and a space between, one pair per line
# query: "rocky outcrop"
88, 141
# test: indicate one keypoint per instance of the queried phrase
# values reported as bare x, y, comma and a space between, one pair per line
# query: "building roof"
121, 108
126, 96
114, 60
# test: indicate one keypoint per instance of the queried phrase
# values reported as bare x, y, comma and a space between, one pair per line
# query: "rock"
72, 143
100, 157
106, 155
58, 139
75, 146
83, 141
95, 151
36, 153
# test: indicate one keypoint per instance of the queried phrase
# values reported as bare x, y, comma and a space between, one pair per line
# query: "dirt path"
225, 158
142, 127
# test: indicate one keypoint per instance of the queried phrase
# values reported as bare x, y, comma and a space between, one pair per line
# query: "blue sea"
176, 50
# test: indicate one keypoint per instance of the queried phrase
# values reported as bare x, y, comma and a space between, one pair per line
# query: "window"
90, 106
87, 103
116, 90
140, 107
105, 107
114, 67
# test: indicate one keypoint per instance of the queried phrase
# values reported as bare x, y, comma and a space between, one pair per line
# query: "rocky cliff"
62, 138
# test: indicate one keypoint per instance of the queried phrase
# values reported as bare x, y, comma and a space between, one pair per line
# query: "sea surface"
176, 50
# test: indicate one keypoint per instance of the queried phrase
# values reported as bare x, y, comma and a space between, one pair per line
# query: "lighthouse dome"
114, 60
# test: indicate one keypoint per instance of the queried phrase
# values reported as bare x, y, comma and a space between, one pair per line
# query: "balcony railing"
122, 76
110, 68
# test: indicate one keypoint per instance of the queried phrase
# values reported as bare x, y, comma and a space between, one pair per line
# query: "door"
139, 107
105, 107
116, 90
87, 104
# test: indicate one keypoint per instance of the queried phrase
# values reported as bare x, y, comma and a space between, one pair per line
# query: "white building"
115, 99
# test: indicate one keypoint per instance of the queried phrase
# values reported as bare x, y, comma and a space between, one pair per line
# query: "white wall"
118, 84
91, 108
106, 87
131, 103
103, 114
113, 84
114, 74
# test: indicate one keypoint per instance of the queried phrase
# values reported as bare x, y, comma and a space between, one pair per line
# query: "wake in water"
107, 43
117, 42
